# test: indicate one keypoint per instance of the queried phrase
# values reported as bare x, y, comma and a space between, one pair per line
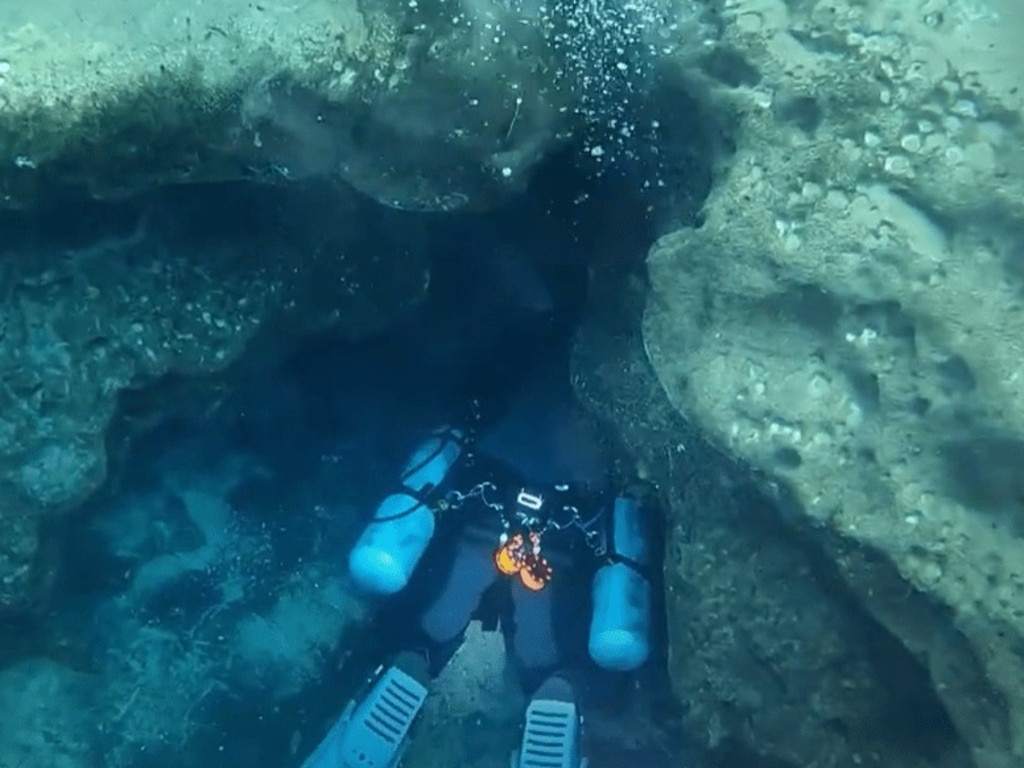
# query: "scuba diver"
508, 515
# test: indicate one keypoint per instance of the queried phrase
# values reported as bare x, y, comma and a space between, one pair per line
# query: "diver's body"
536, 473
515, 500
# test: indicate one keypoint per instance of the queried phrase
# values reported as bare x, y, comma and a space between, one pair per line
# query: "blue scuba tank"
620, 625
392, 544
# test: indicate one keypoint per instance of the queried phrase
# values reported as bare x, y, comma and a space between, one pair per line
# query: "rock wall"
173, 302
772, 657
426, 105
848, 320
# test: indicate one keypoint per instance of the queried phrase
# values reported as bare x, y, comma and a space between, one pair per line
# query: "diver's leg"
545, 632
535, 647
446, 618
552, 733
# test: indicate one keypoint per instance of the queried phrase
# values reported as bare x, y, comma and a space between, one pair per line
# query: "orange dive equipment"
514, 557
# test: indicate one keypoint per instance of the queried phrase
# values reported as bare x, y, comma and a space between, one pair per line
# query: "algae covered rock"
848, 319
158, 309
771, 656
431, 105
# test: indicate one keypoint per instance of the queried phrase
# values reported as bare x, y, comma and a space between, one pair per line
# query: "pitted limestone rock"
82, 324
773, 659
432, 105
848, 318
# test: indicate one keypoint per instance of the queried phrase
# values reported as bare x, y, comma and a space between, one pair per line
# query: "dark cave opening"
507, 290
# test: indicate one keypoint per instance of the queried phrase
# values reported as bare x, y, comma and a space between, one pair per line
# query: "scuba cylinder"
620, 625
392, 544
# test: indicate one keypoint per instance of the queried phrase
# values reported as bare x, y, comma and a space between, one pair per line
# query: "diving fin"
373, 733
553, 731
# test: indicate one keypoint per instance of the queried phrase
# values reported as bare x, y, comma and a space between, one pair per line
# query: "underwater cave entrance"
507, 290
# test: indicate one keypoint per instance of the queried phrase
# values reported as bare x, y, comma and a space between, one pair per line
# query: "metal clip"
529, 500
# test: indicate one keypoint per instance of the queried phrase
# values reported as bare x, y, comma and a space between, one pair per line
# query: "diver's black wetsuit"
508, 513
506, 347
542, 444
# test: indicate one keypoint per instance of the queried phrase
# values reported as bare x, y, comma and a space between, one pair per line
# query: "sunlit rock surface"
848, 320
429, 105
773, 659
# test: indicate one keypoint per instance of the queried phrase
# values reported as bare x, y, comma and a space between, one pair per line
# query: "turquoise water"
251, 253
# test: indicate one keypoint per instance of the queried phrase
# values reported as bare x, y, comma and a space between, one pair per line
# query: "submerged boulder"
847, 321
773, 658
437, 104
